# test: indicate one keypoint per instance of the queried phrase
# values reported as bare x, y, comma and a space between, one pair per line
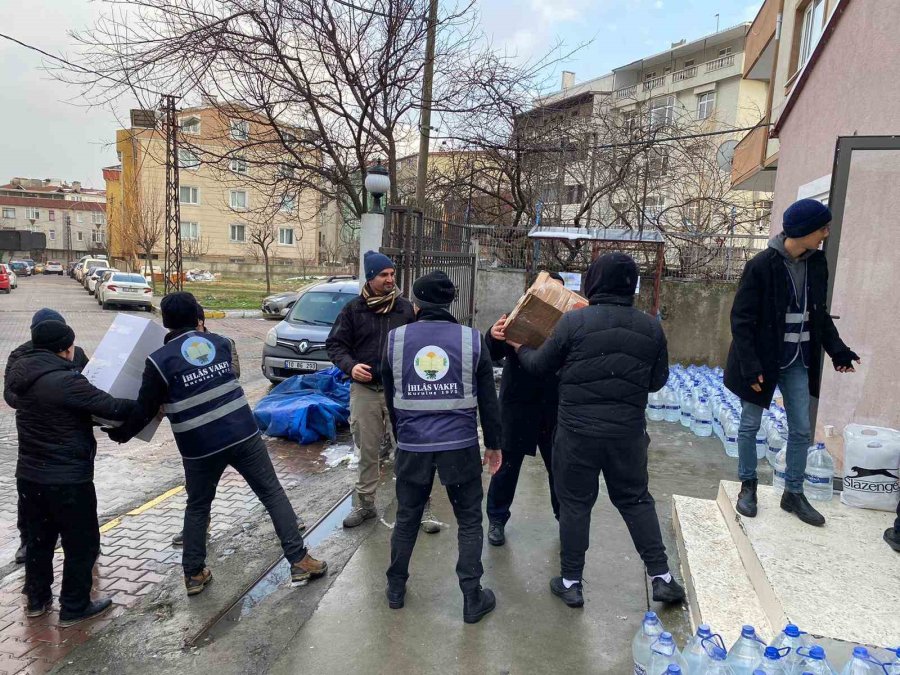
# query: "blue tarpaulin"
306, 408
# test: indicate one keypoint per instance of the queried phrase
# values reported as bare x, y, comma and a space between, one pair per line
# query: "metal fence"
710, 256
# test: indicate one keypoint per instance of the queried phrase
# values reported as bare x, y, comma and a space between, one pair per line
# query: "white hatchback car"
94, 279
124, 288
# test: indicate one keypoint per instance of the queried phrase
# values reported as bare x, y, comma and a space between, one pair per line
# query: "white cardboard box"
117, 366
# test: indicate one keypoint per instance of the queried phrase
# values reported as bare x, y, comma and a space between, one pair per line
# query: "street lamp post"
371, 226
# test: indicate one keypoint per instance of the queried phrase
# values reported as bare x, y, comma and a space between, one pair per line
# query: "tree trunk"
265, 253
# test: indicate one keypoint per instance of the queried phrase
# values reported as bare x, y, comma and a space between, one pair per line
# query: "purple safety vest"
435, 389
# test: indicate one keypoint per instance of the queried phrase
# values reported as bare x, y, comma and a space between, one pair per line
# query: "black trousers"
68, 512
251, 459
460, 473
578, 462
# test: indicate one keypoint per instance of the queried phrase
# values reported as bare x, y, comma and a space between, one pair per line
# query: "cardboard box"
534, 316
117, 366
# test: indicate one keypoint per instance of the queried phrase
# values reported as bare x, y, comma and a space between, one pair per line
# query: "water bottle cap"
665, 636
861, 652
673, 669
791, 630
771, 653
704, 630
820, 446
718, 654
651, 617
817, 653
748, 631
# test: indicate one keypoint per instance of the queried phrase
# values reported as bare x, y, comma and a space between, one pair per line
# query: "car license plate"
301, 365
130, 290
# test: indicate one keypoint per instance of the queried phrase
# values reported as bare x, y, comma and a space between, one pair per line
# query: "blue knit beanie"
46, 314
804, 217
375, 263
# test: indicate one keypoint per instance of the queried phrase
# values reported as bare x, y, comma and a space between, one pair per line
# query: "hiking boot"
36, 609
477, 604
430, 524
796, 503
197, 583
359, 515
496, 534
94, 609
20, 554
892, 537
746, 501
573, 596
303, 571
395, 596
669, 592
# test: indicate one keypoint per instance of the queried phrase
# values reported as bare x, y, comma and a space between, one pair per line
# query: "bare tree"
262, 235
143, 217
194, 248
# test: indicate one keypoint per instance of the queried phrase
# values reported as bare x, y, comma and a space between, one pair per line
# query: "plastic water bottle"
771, 663
687, 405
776, 441
730, 435
673, 669
672, 407
655, 407
762, 441
779, 469
791, 639
663, 653
651, 628
814, 661
701, 424
892, 664
818, 478
746, 651
862, 663
694, 652
716, 663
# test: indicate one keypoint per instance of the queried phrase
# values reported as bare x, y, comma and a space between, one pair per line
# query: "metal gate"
419, 244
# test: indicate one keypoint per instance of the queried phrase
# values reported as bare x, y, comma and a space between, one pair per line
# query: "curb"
224, 313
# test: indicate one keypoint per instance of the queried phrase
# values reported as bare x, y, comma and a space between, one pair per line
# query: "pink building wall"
852, 90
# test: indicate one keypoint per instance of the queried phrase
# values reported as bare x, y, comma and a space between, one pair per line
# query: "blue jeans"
794, 384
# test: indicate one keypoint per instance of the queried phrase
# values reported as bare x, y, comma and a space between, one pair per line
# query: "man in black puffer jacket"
610, 356
55, 471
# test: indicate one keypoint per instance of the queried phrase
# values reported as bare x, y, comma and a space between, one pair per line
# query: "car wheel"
106, 305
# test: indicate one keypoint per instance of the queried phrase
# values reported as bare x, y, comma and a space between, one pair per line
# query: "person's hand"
843, 362
498, 330
515, 345
361, 373
114, 434
757, 386
492, 459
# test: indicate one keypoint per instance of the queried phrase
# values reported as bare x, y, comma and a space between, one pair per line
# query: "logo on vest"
431, 363
198, 351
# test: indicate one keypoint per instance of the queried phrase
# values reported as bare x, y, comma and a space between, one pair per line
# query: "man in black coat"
779, 326
609, 357
528, 406
55, 470
79, 361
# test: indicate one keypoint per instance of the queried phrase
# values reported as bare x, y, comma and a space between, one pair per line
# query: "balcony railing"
684, 74
654, 82
719, 63
626, 92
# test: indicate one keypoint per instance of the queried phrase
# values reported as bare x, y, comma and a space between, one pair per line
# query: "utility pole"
172, 270
425, 116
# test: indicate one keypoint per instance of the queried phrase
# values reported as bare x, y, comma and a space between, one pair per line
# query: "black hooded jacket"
53, 417
80, 361
609, 355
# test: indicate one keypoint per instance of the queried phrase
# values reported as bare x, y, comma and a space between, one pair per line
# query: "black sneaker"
478, 604
178, 539
573, 596
36, 609
94, 609
669, 592
746, 501
796, 503
395, 596
892, 537
20, 554
496, 533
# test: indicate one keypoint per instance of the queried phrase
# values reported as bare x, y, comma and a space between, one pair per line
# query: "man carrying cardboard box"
191, 378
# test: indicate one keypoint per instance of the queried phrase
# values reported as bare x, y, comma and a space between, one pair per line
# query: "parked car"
6, 278
87, 264
31, 264
94, 277
278, 305
53, 267
38, 268
124, 288
297, 344
20, 267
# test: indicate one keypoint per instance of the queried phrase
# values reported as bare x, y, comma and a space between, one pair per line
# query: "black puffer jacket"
80, 361
609, 355
53, 417
359, 335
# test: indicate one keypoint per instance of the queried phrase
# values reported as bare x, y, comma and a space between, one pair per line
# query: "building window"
705, 104
689, 62
285, 171
724, 51
237, 233
238, 199
187, 159
289, 203
79, 236
662, 111
32, 213
189, 125
238, 165
658, 162
654, 206
240, 129
188, 194
811, 30
9, 213
286, 236
51, 234
97, 237
98, 218
76, 198
190, 231
51, 214
574, 194
79, 217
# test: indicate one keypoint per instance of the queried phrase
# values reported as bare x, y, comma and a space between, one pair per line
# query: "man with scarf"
438, 382
609, 356
356, 345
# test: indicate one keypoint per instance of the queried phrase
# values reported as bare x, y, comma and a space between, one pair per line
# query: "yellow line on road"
110, 525
153, 502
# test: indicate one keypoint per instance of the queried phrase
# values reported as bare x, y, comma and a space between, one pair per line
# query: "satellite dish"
725, 155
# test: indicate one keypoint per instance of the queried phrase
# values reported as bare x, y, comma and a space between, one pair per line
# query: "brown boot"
195, 584
307, 569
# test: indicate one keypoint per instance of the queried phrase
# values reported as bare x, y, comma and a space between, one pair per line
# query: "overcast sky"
48, 134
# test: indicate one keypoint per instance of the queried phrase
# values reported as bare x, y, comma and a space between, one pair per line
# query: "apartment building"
71, 217
227, 194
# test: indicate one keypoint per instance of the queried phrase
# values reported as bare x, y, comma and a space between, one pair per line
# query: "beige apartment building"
228, 198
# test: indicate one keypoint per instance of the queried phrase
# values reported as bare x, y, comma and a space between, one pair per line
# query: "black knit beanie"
180, 310
434, 290
54, 336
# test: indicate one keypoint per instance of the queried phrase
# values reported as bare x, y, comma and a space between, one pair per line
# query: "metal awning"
649, 235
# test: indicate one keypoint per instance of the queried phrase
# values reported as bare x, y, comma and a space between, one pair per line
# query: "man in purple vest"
438, 381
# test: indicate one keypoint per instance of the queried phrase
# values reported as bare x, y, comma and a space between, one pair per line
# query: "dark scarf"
435, 314
380, 304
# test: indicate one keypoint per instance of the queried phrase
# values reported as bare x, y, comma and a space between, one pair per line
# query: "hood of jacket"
33, 365
612, 274
777, 243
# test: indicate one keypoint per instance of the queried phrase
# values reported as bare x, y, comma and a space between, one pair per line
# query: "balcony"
759, 47
684, 74
654, 83
749, 170
718, 64
626, 92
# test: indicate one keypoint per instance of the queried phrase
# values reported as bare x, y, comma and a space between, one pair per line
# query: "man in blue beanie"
80, 361
779, 326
